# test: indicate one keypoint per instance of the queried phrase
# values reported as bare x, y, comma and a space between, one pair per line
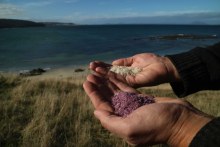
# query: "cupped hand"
155, 70
100, 91
171, 121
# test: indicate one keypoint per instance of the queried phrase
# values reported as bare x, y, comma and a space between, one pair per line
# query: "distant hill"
58, 24
14, 23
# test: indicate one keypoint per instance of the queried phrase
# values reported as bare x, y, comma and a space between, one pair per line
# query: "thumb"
111, 122
101, 114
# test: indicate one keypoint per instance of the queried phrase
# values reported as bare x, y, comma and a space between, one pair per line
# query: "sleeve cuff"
192, 71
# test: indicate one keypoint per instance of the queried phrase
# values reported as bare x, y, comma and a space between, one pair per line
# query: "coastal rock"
183, 36
33, 72
79, 70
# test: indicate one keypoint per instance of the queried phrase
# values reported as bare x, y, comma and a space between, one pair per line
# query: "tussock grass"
57, 112
53, 112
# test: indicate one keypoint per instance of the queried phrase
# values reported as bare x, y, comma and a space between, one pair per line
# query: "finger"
102, 64
123, 62
102, 83
95, 79
100, 68
102, 71
111, 122
122, 86
96, 97
92, 66
172, 100
95, 64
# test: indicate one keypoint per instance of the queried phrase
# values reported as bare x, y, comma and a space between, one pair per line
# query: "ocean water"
54, 47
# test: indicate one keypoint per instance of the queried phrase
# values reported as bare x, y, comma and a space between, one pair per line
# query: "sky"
114, 11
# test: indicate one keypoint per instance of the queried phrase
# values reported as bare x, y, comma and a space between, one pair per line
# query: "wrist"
171, 69
186, 129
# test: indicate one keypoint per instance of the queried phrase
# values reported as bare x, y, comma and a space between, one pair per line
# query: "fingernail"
96, 113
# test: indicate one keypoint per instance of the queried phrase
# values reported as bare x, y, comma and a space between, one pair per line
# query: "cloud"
70, 1
37, 4
186, 13
9, 10
41, 3
186, 17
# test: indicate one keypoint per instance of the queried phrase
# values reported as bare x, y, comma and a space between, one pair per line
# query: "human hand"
171, 121
155, 70
100, 91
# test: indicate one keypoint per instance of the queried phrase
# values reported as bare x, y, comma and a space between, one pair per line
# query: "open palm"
155, 70
100, 91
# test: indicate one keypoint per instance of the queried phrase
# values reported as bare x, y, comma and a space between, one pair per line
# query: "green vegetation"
57, 112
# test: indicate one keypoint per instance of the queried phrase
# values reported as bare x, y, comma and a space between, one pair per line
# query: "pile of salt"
125, 70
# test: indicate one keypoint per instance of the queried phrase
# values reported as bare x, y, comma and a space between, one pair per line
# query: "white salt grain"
125, 70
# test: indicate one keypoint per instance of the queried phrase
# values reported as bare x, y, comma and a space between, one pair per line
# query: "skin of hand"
168, 120
155, 70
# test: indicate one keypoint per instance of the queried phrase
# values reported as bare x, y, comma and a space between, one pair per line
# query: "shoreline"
63, 72
60, 72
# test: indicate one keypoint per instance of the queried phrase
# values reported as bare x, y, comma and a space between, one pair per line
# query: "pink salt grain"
124, 102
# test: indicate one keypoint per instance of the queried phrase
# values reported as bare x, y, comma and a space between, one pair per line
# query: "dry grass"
57, 112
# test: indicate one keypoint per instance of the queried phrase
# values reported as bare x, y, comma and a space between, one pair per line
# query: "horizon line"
65, 22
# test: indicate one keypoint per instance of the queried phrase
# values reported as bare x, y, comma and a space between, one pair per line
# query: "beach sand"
61, 73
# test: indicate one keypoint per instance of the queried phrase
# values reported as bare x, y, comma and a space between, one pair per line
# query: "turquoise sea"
54, 47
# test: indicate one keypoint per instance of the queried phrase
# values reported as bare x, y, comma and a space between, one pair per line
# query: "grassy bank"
57, 112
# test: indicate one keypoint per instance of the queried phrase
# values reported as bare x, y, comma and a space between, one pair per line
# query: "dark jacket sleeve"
199, 69
208, 136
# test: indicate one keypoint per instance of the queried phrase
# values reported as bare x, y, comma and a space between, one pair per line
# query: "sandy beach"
63, 72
